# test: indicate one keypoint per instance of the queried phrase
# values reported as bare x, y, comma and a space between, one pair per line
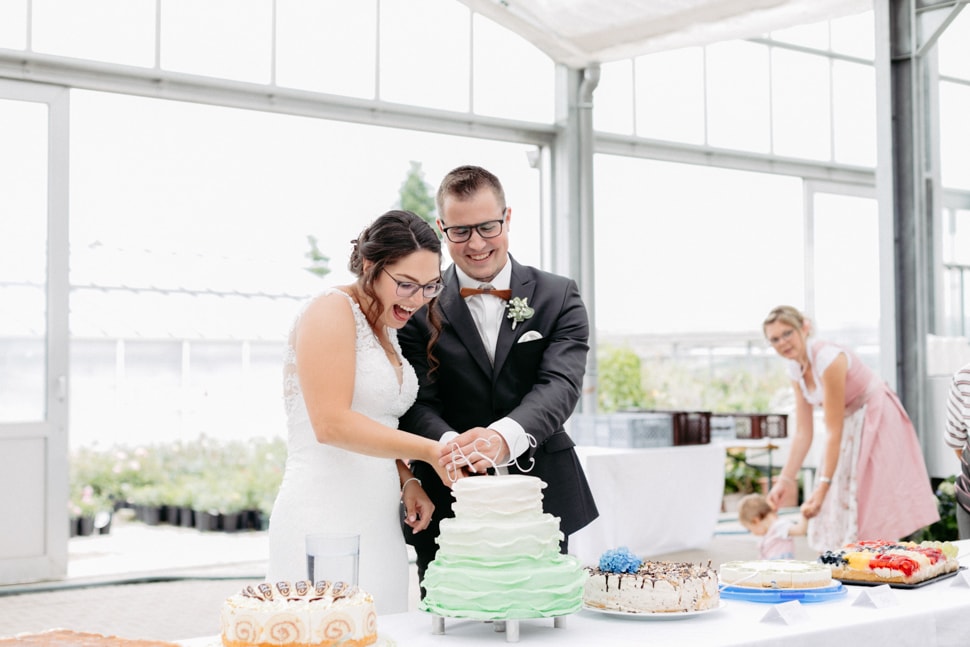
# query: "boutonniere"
519, 311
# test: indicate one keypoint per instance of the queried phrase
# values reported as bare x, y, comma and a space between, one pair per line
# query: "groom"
500, 380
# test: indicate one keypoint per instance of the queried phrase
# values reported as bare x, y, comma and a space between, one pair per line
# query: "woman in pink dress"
872, 479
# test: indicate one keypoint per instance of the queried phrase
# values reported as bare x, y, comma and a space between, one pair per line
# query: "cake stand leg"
559, 622
512, 631
498, 626
437, 625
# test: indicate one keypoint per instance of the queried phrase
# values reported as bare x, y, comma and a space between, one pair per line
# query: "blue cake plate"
775, 596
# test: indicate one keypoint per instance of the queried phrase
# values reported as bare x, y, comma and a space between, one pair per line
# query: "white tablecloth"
936, 615
653, 501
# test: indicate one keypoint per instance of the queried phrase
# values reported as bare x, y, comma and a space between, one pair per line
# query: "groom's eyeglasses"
487, 229
407, 288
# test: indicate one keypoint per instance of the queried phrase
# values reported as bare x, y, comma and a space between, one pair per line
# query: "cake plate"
508, 626
833, 591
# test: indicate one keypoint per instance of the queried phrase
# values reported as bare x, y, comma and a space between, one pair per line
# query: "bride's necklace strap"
391, 353
385, 342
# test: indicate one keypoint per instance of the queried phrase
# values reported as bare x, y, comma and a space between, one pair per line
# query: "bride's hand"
475, 450
417, 507
450, 472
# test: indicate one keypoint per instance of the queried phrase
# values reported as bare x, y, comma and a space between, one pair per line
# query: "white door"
33, 332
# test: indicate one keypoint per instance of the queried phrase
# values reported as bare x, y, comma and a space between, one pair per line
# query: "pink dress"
777, 543
880, 488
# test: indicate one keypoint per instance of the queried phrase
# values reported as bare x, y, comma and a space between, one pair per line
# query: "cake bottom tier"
461, 587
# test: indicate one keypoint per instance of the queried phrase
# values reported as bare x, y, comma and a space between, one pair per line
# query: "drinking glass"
333, 556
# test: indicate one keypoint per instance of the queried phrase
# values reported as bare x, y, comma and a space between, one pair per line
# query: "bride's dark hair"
385, 241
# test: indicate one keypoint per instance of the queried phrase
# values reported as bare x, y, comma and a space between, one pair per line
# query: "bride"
345, 385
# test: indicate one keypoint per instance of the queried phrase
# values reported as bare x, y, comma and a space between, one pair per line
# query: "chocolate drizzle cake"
651, 587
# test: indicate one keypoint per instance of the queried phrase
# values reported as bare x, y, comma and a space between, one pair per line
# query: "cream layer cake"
776, 574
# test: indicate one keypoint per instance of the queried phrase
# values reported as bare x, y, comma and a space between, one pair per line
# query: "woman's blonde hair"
787, 315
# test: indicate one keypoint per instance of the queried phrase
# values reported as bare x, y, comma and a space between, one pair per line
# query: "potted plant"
946, 528
89, 511
739, 479
147, 502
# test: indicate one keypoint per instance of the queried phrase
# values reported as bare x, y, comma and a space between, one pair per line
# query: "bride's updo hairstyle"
391, 237
788, 315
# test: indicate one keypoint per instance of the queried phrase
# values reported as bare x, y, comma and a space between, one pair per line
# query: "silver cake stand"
509, 627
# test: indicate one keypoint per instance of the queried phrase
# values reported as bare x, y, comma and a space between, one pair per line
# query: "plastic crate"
754, 426
723, 428
692, 427
623, 429
590, 429
639, 430
689, 427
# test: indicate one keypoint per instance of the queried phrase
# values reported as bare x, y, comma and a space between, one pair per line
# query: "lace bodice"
377, 392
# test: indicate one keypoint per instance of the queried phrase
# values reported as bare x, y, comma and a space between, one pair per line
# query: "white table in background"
653, 501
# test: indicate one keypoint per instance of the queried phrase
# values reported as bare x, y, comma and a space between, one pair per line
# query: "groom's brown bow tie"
501, 294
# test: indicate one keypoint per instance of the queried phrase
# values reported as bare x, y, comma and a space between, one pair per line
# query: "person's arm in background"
800, 445
957, 402
833, 404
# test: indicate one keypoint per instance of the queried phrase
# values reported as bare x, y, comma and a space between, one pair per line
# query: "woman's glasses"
785, 336
408, 289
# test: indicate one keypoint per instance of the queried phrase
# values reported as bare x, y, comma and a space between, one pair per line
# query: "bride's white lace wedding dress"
326, 489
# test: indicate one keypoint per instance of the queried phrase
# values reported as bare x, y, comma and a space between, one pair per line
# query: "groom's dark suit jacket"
536, 383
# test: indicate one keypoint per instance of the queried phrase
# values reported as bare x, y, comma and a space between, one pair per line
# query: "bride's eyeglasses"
407, 288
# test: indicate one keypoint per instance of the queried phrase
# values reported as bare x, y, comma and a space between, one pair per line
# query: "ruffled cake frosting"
499, 558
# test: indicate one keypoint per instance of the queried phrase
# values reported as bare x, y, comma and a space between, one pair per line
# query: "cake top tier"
505, 494
499, 484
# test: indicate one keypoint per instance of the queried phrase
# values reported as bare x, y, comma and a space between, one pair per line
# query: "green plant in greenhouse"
204, 473
620, 381
946, 502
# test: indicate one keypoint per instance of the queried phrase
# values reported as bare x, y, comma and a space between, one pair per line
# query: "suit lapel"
455, 311
522, 287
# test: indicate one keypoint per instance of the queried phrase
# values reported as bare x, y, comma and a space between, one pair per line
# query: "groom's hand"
476, 450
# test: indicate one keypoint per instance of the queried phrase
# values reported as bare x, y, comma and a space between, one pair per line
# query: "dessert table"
653, 501
934, 615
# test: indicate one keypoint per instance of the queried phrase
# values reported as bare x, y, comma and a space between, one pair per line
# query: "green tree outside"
319, 262
620, 381
627, 381
417, 195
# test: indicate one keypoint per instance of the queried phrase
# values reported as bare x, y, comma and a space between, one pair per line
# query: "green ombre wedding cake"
498, 558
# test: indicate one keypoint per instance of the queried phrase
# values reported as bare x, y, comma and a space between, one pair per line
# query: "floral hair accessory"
620, 560
519, 311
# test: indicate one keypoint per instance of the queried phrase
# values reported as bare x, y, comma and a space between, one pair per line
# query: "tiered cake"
498, 558
299, 614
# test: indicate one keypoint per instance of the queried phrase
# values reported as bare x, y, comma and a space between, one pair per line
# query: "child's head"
756, 514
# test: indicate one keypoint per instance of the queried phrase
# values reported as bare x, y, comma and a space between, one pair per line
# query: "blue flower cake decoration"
619, 560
